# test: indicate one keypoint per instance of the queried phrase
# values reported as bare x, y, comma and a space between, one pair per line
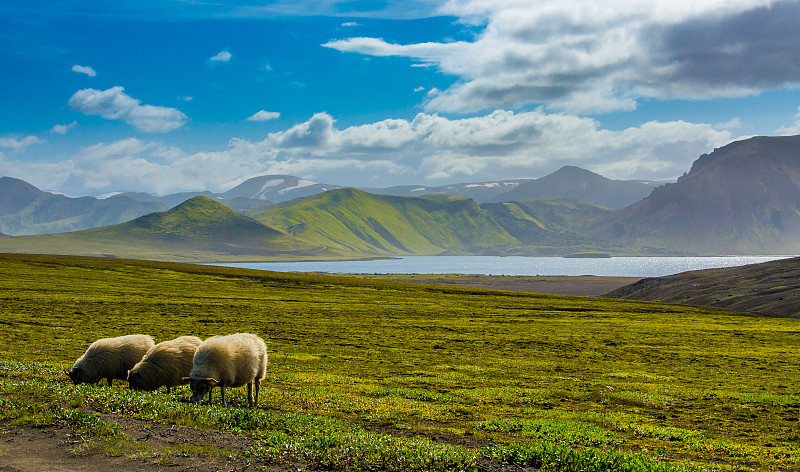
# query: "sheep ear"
212, 381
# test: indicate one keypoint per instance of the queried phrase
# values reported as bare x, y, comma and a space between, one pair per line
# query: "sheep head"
200, 386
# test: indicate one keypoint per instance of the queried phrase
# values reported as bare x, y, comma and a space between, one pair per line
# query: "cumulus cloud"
62, 129
426, 149
222, 56
17, 144
588, 56
114, 104
262, 115
84, 70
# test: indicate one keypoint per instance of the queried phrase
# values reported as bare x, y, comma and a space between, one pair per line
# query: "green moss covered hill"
361, 222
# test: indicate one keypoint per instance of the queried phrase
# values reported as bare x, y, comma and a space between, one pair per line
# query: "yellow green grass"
382, 375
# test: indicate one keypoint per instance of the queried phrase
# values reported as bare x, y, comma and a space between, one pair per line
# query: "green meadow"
389, 376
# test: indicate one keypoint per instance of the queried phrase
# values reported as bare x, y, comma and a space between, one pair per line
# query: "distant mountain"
276, 188
743, 198
16, 194
481, 192
24, 209
771, 288
581, 184
198, 229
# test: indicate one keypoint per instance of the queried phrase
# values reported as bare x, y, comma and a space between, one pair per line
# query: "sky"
164, 96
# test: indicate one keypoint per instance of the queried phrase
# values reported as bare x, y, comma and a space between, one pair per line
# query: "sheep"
228, 361
110, 358
165, 364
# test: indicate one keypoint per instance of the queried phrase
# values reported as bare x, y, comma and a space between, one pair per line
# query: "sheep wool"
228, 361
165, 364
110, 358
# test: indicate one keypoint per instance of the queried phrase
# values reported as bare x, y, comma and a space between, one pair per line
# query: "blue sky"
168, 95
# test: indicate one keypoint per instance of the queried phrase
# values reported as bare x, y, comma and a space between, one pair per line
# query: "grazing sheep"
110, 358
228, 361
166, 364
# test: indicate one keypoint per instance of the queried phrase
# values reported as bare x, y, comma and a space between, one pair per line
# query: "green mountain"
358, 221
743, 198
198, 229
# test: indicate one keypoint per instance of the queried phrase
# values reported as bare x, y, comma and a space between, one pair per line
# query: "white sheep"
228, 361
110, 358
165, 364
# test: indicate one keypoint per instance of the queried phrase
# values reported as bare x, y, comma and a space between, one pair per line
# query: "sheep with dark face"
228, 361
165, 364
110, 358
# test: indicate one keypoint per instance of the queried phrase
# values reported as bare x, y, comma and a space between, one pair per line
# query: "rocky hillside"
743, 198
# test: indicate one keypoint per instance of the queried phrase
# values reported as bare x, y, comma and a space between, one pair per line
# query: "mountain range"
743, 198
25, 210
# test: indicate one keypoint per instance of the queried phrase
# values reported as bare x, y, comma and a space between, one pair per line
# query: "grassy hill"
358, 221
200, 229
386, 376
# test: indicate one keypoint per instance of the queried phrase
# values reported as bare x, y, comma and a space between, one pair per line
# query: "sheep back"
165, 364
233, 360
110, 358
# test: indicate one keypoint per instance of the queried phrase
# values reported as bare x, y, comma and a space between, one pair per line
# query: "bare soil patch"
28, 449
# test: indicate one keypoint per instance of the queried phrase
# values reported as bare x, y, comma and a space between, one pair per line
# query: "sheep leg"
258, 388
222, 388
209, 397
109, 380
250, 394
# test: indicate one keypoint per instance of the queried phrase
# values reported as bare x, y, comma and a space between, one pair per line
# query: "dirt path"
27, 449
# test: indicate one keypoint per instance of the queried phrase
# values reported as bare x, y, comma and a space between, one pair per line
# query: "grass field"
382, 375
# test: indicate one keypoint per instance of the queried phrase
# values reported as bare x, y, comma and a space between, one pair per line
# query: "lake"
513, 265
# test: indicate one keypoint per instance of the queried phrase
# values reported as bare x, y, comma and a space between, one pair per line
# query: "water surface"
514, 265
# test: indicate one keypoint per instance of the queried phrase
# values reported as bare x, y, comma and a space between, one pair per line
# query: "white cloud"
222, 56
62, 129
18, 144
732, 124
792, 129
428, 148
114, 104
84, 70
591, 56
262, 115
350, 24
185, 98
419, 89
